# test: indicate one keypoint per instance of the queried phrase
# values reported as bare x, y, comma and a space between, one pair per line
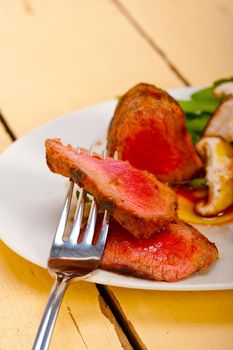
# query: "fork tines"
73, 235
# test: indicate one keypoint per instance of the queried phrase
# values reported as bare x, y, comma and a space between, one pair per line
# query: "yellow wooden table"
58, 56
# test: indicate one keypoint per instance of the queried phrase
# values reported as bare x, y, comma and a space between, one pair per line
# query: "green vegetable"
223, 80
200, 107
199, 182
195, 124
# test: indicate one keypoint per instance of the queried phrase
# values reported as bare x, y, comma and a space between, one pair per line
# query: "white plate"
31, 198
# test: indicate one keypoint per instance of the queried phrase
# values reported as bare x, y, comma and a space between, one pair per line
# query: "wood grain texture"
24, 291
60, 56
179, 320
196, 36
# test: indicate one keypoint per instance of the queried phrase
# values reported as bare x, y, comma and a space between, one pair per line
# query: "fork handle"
45, 330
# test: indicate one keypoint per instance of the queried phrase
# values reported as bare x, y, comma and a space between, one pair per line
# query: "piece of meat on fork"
136, 199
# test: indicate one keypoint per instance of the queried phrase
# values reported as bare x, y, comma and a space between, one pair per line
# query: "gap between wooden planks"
60, 56
195, 36
83, 321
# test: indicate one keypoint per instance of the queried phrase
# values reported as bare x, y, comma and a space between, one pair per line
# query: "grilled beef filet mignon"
136, 199
169, 255
148, 130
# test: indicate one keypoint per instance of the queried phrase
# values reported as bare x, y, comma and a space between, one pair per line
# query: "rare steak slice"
169, 255
135, 198
148, 130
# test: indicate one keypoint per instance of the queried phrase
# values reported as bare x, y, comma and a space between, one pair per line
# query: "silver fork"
70, 259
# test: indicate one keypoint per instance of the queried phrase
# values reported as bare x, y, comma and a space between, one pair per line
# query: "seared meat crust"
135, 198
148, 130
169, 255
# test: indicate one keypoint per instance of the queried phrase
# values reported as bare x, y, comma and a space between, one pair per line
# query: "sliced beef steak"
148, 130
170, 255
136, 199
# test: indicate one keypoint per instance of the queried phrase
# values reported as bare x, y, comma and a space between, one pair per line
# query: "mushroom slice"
221, 123
224, 89
219, 173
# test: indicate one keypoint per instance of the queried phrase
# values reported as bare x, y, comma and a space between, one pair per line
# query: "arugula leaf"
200, 107
204, 94
201, 101
223, 80
195, 124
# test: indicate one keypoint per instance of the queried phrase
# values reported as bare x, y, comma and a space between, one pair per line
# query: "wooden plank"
60, 56
84, 320
196, 36
178, 320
